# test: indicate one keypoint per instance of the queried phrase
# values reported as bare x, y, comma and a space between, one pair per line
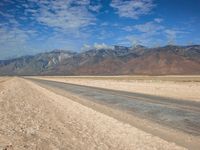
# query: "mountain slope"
117, 61
33, 65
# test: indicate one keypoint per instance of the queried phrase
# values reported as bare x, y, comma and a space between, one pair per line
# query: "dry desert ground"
32, 117
179, 87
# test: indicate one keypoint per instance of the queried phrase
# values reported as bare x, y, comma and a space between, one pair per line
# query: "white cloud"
14, 41
144, 34
59, 24
95, 8
67, 15
86, 47
102, 46
173, 34
149, 27
13, 35
132, 8
142, 39
104, 24
128, 28
158, 20
97, 46
153, 33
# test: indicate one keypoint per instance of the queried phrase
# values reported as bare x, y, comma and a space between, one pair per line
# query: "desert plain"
180, 87
35, 117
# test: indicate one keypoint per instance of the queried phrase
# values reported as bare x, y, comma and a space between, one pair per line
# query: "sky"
31, 26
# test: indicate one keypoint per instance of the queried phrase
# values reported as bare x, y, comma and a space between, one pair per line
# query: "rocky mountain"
34, 65
119, 60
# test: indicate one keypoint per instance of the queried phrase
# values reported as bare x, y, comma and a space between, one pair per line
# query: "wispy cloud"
132, 8
158, 20
66, 15
39, 25
56, 23
150, 32
14, 41
96, 46
102, 45
173, 34
149, 27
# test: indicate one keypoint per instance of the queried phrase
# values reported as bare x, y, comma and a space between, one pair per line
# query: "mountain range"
119, 60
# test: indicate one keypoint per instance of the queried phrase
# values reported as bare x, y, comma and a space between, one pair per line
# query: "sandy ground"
173, 87
3, 79
34, 118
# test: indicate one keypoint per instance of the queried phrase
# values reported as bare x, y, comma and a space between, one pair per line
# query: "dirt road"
182, 115
33, 117
178, 87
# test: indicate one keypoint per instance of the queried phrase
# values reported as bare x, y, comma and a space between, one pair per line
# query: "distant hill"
120, 60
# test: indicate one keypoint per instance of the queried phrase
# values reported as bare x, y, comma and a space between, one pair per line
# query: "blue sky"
33, 26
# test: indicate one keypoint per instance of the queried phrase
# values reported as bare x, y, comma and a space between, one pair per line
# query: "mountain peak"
138, 46
60, 51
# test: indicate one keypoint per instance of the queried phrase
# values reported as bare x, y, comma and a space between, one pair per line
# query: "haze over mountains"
170, 59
